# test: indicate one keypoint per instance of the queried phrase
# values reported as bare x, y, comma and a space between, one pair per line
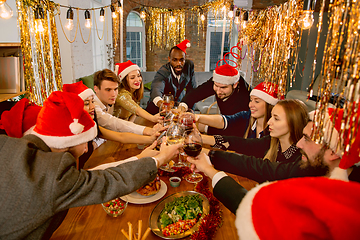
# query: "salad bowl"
156, 215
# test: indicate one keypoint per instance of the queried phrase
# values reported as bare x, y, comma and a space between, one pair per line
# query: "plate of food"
148, 193
179, 215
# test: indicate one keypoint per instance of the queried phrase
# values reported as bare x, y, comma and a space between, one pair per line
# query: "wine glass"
187, 119
192, 147
164, 111
168, 99
174, 135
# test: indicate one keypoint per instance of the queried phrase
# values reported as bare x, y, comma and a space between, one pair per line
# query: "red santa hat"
80, 89
340, 144
123, 69
226, 74
183, 45
268, 92
20, 119
63, 122
300, 209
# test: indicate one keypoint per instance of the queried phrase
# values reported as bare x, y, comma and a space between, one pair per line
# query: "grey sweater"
37, 186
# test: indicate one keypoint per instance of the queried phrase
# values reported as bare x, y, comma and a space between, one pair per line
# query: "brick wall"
158, 57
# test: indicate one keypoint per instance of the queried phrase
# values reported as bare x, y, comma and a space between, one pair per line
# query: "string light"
69, 17
87, 19
172, 17
102, 15
113, 12
245, 19
306, 19
237, 16
231, 11
5, 10
142, 13
39, 16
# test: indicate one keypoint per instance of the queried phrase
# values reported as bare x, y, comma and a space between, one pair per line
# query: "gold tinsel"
271, 36
340, 72
41, 55
164, 33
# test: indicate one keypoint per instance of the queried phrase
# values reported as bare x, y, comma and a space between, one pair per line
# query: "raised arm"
197, 94
213, 120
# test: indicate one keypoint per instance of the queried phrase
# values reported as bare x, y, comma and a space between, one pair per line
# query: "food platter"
137, 198
154, 216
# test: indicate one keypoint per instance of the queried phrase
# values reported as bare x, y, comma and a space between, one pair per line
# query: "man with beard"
316, 160
231, 91
172, 78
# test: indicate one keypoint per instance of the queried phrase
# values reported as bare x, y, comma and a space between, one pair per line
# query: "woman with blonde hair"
131, 91
288, 118
247, 124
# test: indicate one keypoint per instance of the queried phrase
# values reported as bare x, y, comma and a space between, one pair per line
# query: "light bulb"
223, 8
142, 15
38, 25
237, 20
88, 23
113, 13
102, 15
69, 17
243, 24
231, 14
202, 17
306, 19
70, 24
5, 11
87, 19
172, 19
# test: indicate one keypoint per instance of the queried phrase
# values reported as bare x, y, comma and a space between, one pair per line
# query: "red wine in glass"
192, 149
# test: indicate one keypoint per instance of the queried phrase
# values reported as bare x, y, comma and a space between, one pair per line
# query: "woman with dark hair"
288, 118
131, 91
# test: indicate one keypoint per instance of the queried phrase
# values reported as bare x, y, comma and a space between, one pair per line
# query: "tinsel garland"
271, 37
340, 72
212, 221
40, 50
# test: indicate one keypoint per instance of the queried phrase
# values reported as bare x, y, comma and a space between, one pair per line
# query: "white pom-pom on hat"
76, 127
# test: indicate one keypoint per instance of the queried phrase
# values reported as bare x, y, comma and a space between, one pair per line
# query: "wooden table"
91, 222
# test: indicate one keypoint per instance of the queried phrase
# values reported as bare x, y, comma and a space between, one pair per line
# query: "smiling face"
278, 125
177, 60
134, 80
89, 106
257, 107
107, 92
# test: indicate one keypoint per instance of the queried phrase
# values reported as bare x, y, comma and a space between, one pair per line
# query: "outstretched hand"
149, 151
167, 152
203, 164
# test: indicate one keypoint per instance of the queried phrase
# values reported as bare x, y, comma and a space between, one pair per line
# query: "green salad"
181, 208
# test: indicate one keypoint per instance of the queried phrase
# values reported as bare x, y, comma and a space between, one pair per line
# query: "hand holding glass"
192, 147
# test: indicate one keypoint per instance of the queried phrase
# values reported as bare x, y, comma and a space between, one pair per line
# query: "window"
214, 40
135, 40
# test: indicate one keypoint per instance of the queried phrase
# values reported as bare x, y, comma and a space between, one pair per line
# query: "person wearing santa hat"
87, 95
172, 78
41, 181
20, 119
316, 160
298, 208
130, 93
106, 85
288, 118
230, 89
251, 123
